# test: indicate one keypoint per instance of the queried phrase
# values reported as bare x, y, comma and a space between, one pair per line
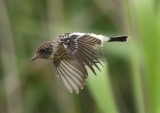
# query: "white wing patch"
78, 34
100, 37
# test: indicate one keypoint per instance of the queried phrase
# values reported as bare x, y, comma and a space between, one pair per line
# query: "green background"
129, 81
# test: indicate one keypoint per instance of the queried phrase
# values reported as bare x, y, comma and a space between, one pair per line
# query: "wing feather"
82, 59
88, 58
69, 79
65, 81
72, 74
90, 54
91, 40
97, 53
84, 48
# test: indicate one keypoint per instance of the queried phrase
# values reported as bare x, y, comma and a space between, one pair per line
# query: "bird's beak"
34, 57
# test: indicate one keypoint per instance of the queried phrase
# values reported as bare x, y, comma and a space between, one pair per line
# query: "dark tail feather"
118, 39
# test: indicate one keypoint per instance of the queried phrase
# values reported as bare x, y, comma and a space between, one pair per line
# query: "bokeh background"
129, 81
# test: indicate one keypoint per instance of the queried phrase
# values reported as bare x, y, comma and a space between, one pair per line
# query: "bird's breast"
60, 53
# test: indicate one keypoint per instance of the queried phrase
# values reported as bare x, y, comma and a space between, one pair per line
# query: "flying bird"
71, 53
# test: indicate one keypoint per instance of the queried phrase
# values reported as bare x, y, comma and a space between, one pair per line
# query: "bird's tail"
118, 39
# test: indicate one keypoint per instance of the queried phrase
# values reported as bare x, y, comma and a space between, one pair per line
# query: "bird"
73, 53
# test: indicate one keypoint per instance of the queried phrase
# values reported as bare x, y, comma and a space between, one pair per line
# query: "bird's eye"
46, 51
43, 51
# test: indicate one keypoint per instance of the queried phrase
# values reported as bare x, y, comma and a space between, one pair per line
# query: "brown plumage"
71, 53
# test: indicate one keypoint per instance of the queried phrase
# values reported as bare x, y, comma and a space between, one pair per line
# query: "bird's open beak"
34, 57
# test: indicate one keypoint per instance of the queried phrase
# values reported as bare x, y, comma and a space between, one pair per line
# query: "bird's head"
44, 51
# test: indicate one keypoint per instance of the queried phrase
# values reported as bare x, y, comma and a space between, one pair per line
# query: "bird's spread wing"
72, 73
84, 48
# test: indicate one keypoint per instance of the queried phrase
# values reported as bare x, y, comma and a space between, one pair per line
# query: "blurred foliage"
129, 81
